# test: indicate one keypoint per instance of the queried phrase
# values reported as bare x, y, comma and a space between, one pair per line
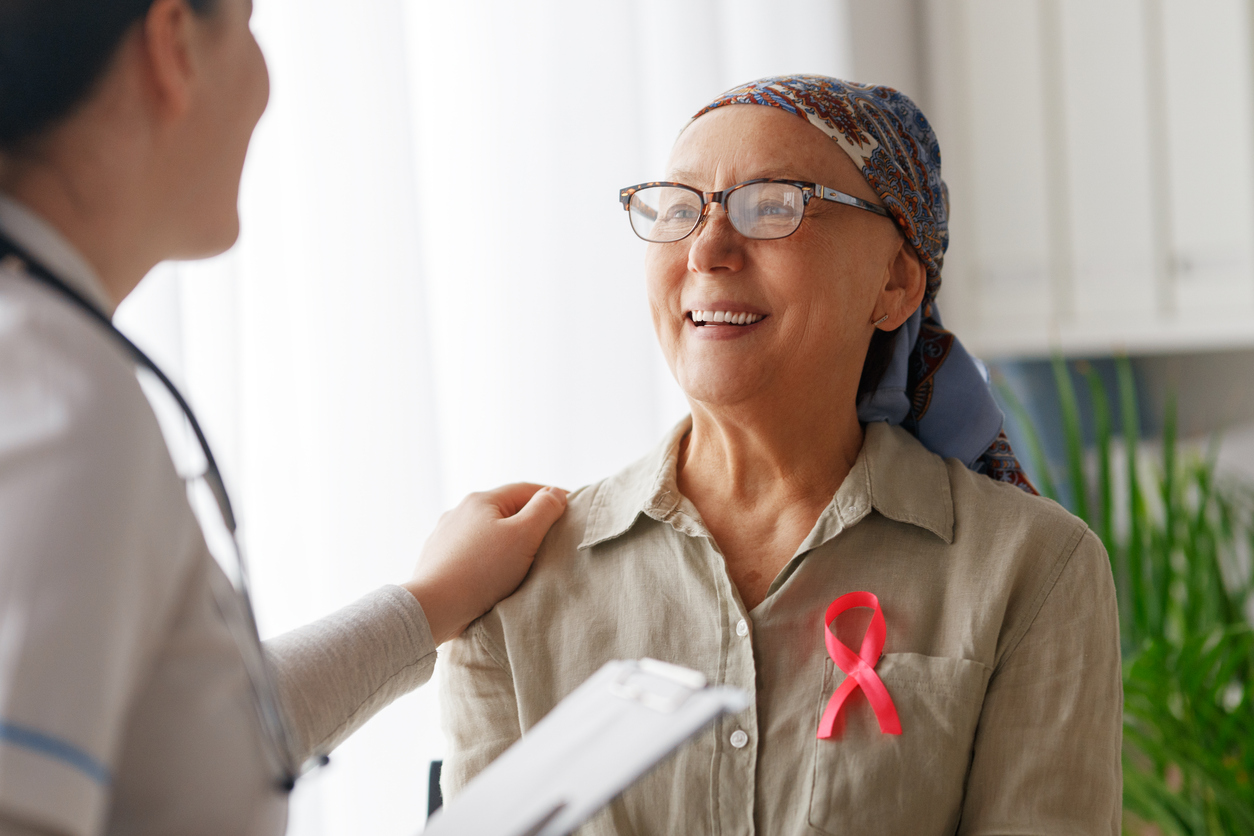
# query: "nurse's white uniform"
124, 703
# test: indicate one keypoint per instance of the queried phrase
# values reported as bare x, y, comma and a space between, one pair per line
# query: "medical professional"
134, 695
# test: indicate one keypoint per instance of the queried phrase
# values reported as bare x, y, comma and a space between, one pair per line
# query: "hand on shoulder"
480, 552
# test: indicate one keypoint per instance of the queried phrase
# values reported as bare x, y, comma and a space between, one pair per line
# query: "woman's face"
816, 291
233, 88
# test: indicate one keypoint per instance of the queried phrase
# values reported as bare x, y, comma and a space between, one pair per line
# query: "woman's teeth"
725, 317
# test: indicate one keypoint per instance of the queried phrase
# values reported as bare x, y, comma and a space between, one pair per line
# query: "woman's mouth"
724, 318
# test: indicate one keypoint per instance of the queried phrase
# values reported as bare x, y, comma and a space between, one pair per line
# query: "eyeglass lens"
662, 214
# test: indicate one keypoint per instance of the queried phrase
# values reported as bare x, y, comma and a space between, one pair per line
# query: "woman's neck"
761, 479
93, 217
748, 457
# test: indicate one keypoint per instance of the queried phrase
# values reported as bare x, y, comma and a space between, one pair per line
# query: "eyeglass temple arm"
849, 200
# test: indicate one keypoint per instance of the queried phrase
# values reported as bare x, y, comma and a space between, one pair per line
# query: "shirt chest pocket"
866, 781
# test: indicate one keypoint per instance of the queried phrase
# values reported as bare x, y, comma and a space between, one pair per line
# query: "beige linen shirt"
1002, 656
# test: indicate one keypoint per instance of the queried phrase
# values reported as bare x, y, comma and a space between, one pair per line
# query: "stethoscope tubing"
39, 272
264, 690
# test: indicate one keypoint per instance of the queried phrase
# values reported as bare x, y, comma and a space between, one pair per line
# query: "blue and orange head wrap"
932, 386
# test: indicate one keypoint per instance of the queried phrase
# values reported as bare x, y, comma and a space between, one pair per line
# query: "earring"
877, 323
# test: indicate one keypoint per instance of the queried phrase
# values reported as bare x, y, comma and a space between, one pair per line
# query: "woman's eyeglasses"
662, 213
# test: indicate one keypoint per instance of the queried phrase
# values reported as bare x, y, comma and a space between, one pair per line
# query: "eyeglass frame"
808, 191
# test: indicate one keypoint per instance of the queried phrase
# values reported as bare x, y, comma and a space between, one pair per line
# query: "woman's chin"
721, 387
212, 240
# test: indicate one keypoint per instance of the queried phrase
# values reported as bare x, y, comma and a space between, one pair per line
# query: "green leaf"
1174, 536
1139, 587
1105, 479
1036, 451
1074, 435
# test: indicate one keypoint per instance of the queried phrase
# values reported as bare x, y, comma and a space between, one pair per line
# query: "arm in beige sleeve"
478, 706
11, 827
1047, 752
334, 674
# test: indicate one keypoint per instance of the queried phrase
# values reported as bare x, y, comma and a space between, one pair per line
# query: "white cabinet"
1100, 159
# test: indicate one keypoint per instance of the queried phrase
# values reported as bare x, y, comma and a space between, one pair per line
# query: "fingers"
541, 511
480, 552
511, 499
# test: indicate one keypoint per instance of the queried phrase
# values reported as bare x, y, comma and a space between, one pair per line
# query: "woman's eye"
767, 209
680, 213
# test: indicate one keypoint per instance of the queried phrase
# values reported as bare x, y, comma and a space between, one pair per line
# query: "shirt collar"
646, 487
893, 474
37, 237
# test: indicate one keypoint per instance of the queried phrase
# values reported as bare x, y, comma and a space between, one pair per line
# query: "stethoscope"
233, 601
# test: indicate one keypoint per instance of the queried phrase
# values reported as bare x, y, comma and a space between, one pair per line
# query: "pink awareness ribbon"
859, 668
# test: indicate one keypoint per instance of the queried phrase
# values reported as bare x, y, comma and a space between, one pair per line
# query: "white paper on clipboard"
609, 732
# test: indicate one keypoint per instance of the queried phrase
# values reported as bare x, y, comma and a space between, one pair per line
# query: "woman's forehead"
743, 142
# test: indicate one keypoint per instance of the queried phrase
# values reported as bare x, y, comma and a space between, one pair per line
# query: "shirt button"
738, 737
742, 628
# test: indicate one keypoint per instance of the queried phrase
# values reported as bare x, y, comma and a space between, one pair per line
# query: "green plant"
1176, 533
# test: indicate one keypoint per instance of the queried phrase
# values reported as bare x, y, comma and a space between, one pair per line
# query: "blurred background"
402, 321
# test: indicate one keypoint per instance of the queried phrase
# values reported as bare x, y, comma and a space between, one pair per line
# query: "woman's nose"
716, 245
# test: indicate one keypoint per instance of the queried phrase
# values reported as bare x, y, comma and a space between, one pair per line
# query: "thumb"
540, 512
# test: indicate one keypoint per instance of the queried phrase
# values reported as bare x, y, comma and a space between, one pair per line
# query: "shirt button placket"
739, 766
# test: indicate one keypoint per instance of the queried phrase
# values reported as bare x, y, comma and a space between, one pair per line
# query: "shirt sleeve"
478, 706
8, 827
334, 674
1047, 752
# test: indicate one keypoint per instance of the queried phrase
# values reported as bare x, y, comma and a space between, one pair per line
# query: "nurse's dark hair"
52, 53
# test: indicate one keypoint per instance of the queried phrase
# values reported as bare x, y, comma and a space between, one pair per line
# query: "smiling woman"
843, 453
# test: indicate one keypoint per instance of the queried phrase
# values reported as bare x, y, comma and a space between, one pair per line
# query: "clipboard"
625, 719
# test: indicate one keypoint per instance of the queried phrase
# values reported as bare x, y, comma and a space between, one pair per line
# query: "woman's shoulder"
970, 511
567, 533
1022, 542
78, 431
64, 378
569, 566
987, 504
603, 509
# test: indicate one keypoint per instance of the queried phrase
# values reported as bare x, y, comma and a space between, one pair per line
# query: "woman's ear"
904, 286
166, 45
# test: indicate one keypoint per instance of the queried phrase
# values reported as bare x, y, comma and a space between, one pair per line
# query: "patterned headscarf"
932, 386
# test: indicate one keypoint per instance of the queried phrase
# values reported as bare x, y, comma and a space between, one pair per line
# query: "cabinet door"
1006, 193
1210, 178
1101, 56
1107, 193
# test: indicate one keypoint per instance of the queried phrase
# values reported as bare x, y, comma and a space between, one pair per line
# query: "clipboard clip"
660, 686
